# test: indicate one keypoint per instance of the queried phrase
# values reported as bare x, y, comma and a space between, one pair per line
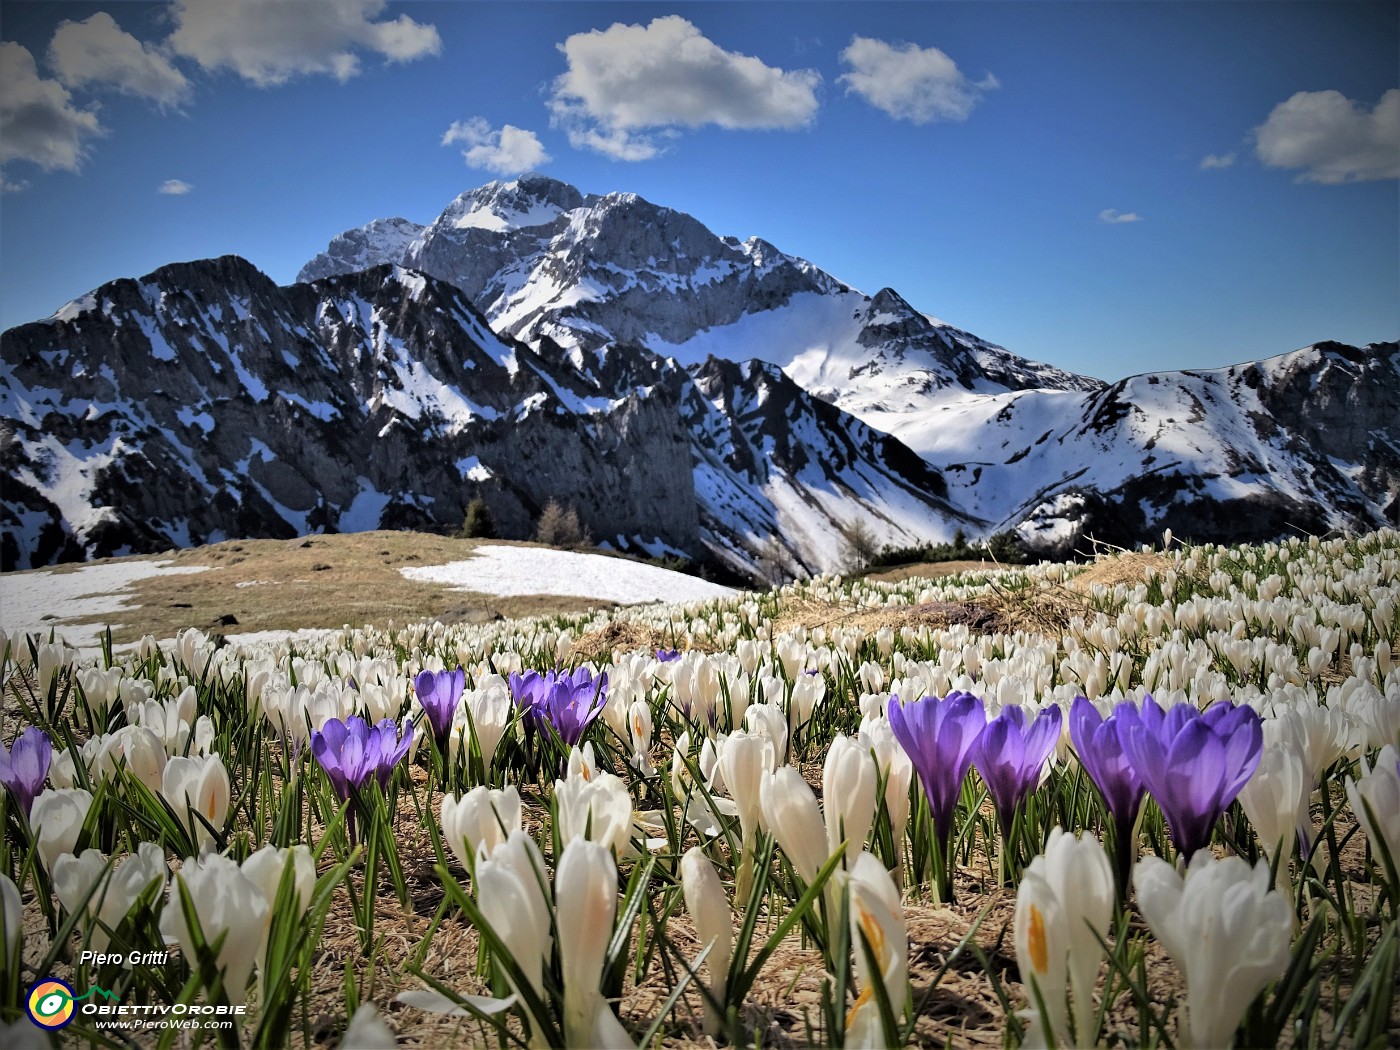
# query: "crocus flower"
367, 1030
78, 883
1194, 763
585, 891
1377, 795
850, 781
352, 751
198, 785
876, 919
745, 760
12, 913
1064, 899
1274, 800
791, 812
24, 766
1010, 753
939, 736
439, 692
567, 702
57, 817
714, 925
598, 809
1225, 928
1101, 753
667, 655
229, 904
480, 820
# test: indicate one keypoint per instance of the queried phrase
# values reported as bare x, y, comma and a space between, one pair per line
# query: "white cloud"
1332, 138
505, 152
174, 187
1113, 215
98, 52
6, 186
628, 83
268, 42
1217, 160
38, 121
919, 84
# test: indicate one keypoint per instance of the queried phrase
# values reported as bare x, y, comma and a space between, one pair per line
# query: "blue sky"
1113, 188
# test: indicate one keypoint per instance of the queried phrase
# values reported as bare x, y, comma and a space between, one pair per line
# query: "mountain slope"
204, 402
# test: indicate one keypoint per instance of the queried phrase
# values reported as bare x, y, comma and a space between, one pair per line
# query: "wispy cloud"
627, 85
270, 43
506, 151
919, 84
1331, 138
1113, 216
1217, 160
174, 187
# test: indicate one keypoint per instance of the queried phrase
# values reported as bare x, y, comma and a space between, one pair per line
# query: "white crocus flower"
1078, 871
585, 889
714, 925
480, 820
110, 903
1275, 799
198, 785
1225, 928
368, 1031
897, 772
57, 818
744, 762
876, 919
1379, 790
1041, 937
265, 867
791, 812
599, 810
850, 781
639, 727
12, 913
228, 903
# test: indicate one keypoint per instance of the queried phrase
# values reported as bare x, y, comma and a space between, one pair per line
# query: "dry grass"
315, 582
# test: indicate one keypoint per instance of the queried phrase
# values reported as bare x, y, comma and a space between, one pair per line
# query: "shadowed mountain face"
687, 393
204, 402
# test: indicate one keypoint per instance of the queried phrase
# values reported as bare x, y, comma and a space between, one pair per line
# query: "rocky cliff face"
204, 402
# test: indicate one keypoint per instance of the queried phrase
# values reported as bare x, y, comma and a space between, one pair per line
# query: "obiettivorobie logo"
52, 1004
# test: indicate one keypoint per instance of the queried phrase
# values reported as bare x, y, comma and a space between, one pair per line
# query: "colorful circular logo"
50, 1004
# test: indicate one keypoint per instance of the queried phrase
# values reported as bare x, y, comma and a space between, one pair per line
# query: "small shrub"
478, 523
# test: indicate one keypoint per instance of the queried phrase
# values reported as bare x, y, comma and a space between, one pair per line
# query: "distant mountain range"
689, 394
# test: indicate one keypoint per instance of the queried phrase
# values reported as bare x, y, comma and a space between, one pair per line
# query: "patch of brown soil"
317, 581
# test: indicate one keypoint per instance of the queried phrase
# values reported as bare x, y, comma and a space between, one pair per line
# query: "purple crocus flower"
1096, 742
667, 655
343, 751
939, 737
387, 749
25, 765
1193, 762
439, 692
568, 702
1010, 754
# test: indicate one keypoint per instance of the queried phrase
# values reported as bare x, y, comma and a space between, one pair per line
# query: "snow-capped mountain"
203, 402
687, 393
543, 261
